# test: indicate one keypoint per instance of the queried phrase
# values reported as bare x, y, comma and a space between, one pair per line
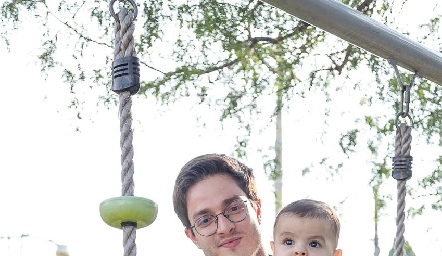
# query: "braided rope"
402, 148
129, 236
126, 138
124, 40
124, 47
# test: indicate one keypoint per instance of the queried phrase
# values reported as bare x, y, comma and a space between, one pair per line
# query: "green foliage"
12, 10
433, 186
10, 13
380, 173
229, 55
348, 141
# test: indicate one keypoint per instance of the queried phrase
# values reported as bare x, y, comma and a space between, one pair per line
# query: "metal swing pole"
366, 33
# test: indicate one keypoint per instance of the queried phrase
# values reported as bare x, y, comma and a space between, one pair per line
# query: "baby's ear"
272, 246
338, 252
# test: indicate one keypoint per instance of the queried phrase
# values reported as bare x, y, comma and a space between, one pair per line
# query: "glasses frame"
226, 216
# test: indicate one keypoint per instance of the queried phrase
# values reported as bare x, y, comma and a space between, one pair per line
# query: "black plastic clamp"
126, 75
402, 167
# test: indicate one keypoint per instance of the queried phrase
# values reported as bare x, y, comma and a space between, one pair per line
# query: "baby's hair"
308, 208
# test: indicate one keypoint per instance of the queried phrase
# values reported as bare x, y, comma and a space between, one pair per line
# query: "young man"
306, 227
216, 199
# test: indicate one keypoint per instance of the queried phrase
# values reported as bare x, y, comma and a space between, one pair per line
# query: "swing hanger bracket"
405, 94
112, 12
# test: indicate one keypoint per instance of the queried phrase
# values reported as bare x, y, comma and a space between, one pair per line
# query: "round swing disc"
118, 211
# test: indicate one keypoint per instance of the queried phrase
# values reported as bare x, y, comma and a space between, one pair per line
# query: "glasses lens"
206, 225
236, 211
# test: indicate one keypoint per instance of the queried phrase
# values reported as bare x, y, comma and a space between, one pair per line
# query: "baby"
306, 227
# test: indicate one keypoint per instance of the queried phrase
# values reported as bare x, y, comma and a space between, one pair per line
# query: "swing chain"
112, 12
405, 94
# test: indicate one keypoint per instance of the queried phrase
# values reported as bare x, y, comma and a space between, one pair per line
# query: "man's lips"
230, 243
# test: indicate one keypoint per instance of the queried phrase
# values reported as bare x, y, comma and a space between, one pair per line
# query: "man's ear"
338, 252
258, 210
190, 235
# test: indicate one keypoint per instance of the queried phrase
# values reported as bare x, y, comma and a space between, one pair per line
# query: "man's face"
303, 236
211, 197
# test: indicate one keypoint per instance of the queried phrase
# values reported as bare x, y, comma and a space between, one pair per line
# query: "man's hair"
308, 208
205, 166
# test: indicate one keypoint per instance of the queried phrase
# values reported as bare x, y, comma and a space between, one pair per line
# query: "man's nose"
225, 226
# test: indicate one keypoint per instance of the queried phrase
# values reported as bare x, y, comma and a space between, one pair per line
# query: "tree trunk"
376, 240
278, 155
376, 220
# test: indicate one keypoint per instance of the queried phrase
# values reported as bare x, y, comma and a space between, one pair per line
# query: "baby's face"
303, 236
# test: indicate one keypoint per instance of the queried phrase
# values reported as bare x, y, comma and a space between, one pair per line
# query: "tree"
380, 172
231, 56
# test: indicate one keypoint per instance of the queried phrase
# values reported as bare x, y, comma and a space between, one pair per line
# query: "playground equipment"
126, 212
362, 31
129, 212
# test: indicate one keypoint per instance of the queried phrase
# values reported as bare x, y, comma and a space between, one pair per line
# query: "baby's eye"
289, 242
315, 244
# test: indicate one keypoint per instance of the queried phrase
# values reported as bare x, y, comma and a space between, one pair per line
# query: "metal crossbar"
365, 32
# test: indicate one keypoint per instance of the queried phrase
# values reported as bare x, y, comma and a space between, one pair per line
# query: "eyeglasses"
235, 212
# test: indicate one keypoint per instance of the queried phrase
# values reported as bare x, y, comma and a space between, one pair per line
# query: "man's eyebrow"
225, 202
199, 213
